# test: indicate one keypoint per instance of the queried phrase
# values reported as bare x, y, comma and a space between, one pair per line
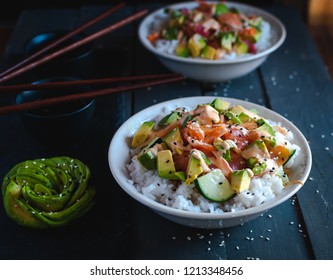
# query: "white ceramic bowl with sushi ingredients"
119, 158
213, 71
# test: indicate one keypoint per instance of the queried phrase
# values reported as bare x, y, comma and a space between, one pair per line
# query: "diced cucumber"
215, 186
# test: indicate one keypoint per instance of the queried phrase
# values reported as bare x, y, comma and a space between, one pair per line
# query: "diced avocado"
233, 118
169, 119
181, 175
174, 141
238, 110
196, 45
227, 40
241, 47
194, 169
142, 133
182, 50
245, 118
268, 129
165, 165
240, 180
281, 174
221, 8
220, 105
265, 126
215, 186
148, 160
256, 149
208, 52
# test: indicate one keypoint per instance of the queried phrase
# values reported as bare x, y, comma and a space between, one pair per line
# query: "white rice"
169, 46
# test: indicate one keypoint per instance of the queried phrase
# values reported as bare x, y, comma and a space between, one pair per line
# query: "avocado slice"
165, 165
227, 40
241, 111
233, 118
182, 50
264, 126
196, 44
245, 118
194, 169
256, 149
208, 52
240, 180
169, 119
241, 47
220, 105
174, 141
142, 133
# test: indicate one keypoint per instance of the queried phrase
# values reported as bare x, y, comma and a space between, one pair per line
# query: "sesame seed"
237, 247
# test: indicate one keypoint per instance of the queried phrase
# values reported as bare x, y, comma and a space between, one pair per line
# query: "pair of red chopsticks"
37, 59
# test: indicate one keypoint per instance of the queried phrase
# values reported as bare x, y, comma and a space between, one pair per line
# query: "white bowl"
212, 70
118, 157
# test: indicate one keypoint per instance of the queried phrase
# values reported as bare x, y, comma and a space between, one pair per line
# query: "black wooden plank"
86, 236
303, 93
248, 88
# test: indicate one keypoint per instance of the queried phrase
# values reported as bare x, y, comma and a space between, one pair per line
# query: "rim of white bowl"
134, 193
266, 15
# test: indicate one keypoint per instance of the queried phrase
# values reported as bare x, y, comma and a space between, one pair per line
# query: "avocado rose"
45, 193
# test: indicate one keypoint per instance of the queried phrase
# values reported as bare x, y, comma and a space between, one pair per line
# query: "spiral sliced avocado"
45, 193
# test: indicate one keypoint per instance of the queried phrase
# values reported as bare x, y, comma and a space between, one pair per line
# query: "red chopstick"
63, 38
74, 83
85, 95
70, 47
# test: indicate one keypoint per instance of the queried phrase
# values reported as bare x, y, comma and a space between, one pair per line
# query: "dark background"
14, 7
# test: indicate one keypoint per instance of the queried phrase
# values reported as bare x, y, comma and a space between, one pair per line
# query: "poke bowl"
209, 46
207, 192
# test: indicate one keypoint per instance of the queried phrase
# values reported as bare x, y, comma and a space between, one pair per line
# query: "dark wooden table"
293, 82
